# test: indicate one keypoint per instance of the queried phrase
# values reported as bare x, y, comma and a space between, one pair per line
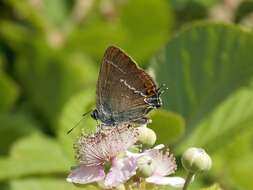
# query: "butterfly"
125, 92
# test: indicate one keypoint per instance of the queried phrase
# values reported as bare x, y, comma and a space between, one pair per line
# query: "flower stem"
188, 180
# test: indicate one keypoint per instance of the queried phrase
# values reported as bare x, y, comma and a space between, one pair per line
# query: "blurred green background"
50, 53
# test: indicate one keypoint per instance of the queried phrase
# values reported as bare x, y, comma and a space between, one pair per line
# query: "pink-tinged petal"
121, 171
177, 182
107, 143
138, 155
165, 162
86, 174
134, 155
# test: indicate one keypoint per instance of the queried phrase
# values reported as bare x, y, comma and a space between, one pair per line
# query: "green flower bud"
120, 187
146, 166
146, 136
134, 148
196, 160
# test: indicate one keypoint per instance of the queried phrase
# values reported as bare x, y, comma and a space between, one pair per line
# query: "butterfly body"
125, 92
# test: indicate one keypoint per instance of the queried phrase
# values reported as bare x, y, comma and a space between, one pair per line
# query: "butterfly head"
94, 114
155, 100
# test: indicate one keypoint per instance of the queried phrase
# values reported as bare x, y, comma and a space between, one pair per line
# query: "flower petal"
159, 146
108, 142
134, 155
177, 182
121, 171
86, 174
138, 155
165, 162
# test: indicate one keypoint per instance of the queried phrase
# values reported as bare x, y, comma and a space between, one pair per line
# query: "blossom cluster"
105, 157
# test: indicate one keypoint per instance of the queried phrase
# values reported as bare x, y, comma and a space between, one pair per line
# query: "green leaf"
202, 66
233, 161
29, 11
95, 37
43, 14
50, 78
2, 58
139, 39
229, 139
13, 127
244, 9
46, 184
8, 93
56, 11
14, 34
213, 187
205, 78
187, 11
4, 186
232, 117
183, 3
9, 90
193, 186
71, 115
34, 155
144, 37
168, 126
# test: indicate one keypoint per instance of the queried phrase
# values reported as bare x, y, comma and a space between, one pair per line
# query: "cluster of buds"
105, 157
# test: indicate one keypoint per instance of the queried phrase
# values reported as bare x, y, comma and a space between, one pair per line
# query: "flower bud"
146, 136
146, 166
196, 160
134, 148
120, 187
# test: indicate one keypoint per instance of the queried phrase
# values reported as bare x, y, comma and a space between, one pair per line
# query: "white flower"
165, 165
94, 151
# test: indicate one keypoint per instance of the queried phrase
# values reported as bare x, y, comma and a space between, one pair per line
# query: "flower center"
107, 166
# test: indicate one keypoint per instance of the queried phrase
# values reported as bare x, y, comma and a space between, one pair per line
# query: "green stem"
188, 180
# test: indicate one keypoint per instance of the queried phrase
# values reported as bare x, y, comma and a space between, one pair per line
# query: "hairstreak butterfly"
125, 92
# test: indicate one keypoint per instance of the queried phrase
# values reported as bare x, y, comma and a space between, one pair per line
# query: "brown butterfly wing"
122, 87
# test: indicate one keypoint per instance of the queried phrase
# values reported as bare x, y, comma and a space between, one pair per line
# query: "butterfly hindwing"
123, 88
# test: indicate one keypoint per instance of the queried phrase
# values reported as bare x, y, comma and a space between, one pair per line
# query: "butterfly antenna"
162, 89
83, 116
